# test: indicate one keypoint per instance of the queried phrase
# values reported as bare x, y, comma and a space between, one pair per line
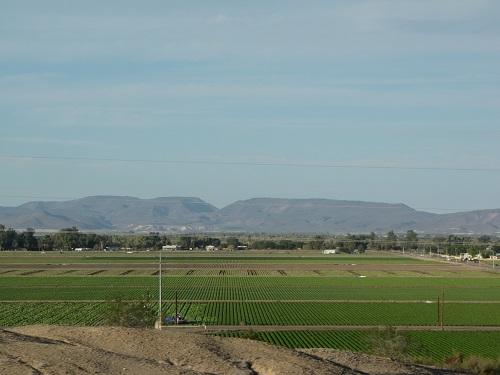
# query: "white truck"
466, 257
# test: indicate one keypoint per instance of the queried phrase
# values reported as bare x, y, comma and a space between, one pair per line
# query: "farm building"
81, 249
331, 251
169, 247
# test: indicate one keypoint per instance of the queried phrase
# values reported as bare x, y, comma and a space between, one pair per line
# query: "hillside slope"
271, 215
111, 212
318, 215
105, 350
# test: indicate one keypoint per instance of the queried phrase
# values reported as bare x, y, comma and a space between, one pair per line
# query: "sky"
229, 100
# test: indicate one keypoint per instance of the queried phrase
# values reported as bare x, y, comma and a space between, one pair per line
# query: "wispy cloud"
367, 81
49, 141
328, 30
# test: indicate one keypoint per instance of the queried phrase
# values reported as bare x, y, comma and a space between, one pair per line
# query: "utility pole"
176, 310
442, 311
159, 294
438, 312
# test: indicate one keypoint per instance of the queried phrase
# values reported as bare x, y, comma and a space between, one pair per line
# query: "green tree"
232, 242
47, 243
186, 242
140, 314
411, 239
30, 241
8, 239
68, 239
389, 343
392, 240
153, 241
484, 239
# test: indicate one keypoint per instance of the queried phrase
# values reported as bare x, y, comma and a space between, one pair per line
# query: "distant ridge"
271, 215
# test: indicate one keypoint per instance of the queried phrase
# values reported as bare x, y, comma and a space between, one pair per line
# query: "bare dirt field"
74, 350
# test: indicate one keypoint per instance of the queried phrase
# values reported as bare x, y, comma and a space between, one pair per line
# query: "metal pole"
442, 311
438, 312
159, 294
176, 311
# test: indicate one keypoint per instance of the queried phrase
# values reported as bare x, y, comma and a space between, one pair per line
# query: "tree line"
72, 238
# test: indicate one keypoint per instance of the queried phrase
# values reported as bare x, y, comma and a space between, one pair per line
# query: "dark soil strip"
28, 338
8, 271
258, 266
126, 272
66, 272
354, 273
317, 272
190, 272
282, 272
96, 272
421, 272
156, 273
251, 272
31, 272
222, 272
20, 361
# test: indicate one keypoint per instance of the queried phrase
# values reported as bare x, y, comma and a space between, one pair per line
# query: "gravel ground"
47, 350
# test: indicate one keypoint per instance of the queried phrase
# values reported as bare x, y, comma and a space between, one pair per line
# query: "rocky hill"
271, 215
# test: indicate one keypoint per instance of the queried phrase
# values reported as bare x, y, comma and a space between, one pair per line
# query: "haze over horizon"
258, 215
437, 210
277, 91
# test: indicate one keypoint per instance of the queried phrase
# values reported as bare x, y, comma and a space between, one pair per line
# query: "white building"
210, 248
169, 247
331, 251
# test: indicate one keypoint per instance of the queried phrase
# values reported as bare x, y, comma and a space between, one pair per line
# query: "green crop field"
424, 345
152, 257
257, 288
264, 313
265, 290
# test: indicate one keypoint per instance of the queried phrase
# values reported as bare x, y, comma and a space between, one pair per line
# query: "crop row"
88, 314
247, 288
344, 340
244, 281
311, 313
264, 313
211, 259
422, 345
228, 293
222, 270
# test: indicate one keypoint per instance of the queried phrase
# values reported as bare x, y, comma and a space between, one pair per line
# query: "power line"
340, 165
251, 163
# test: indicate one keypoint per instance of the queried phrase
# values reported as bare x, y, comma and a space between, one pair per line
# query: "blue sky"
371, 83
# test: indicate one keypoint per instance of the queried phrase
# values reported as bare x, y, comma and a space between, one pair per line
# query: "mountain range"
269, 215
